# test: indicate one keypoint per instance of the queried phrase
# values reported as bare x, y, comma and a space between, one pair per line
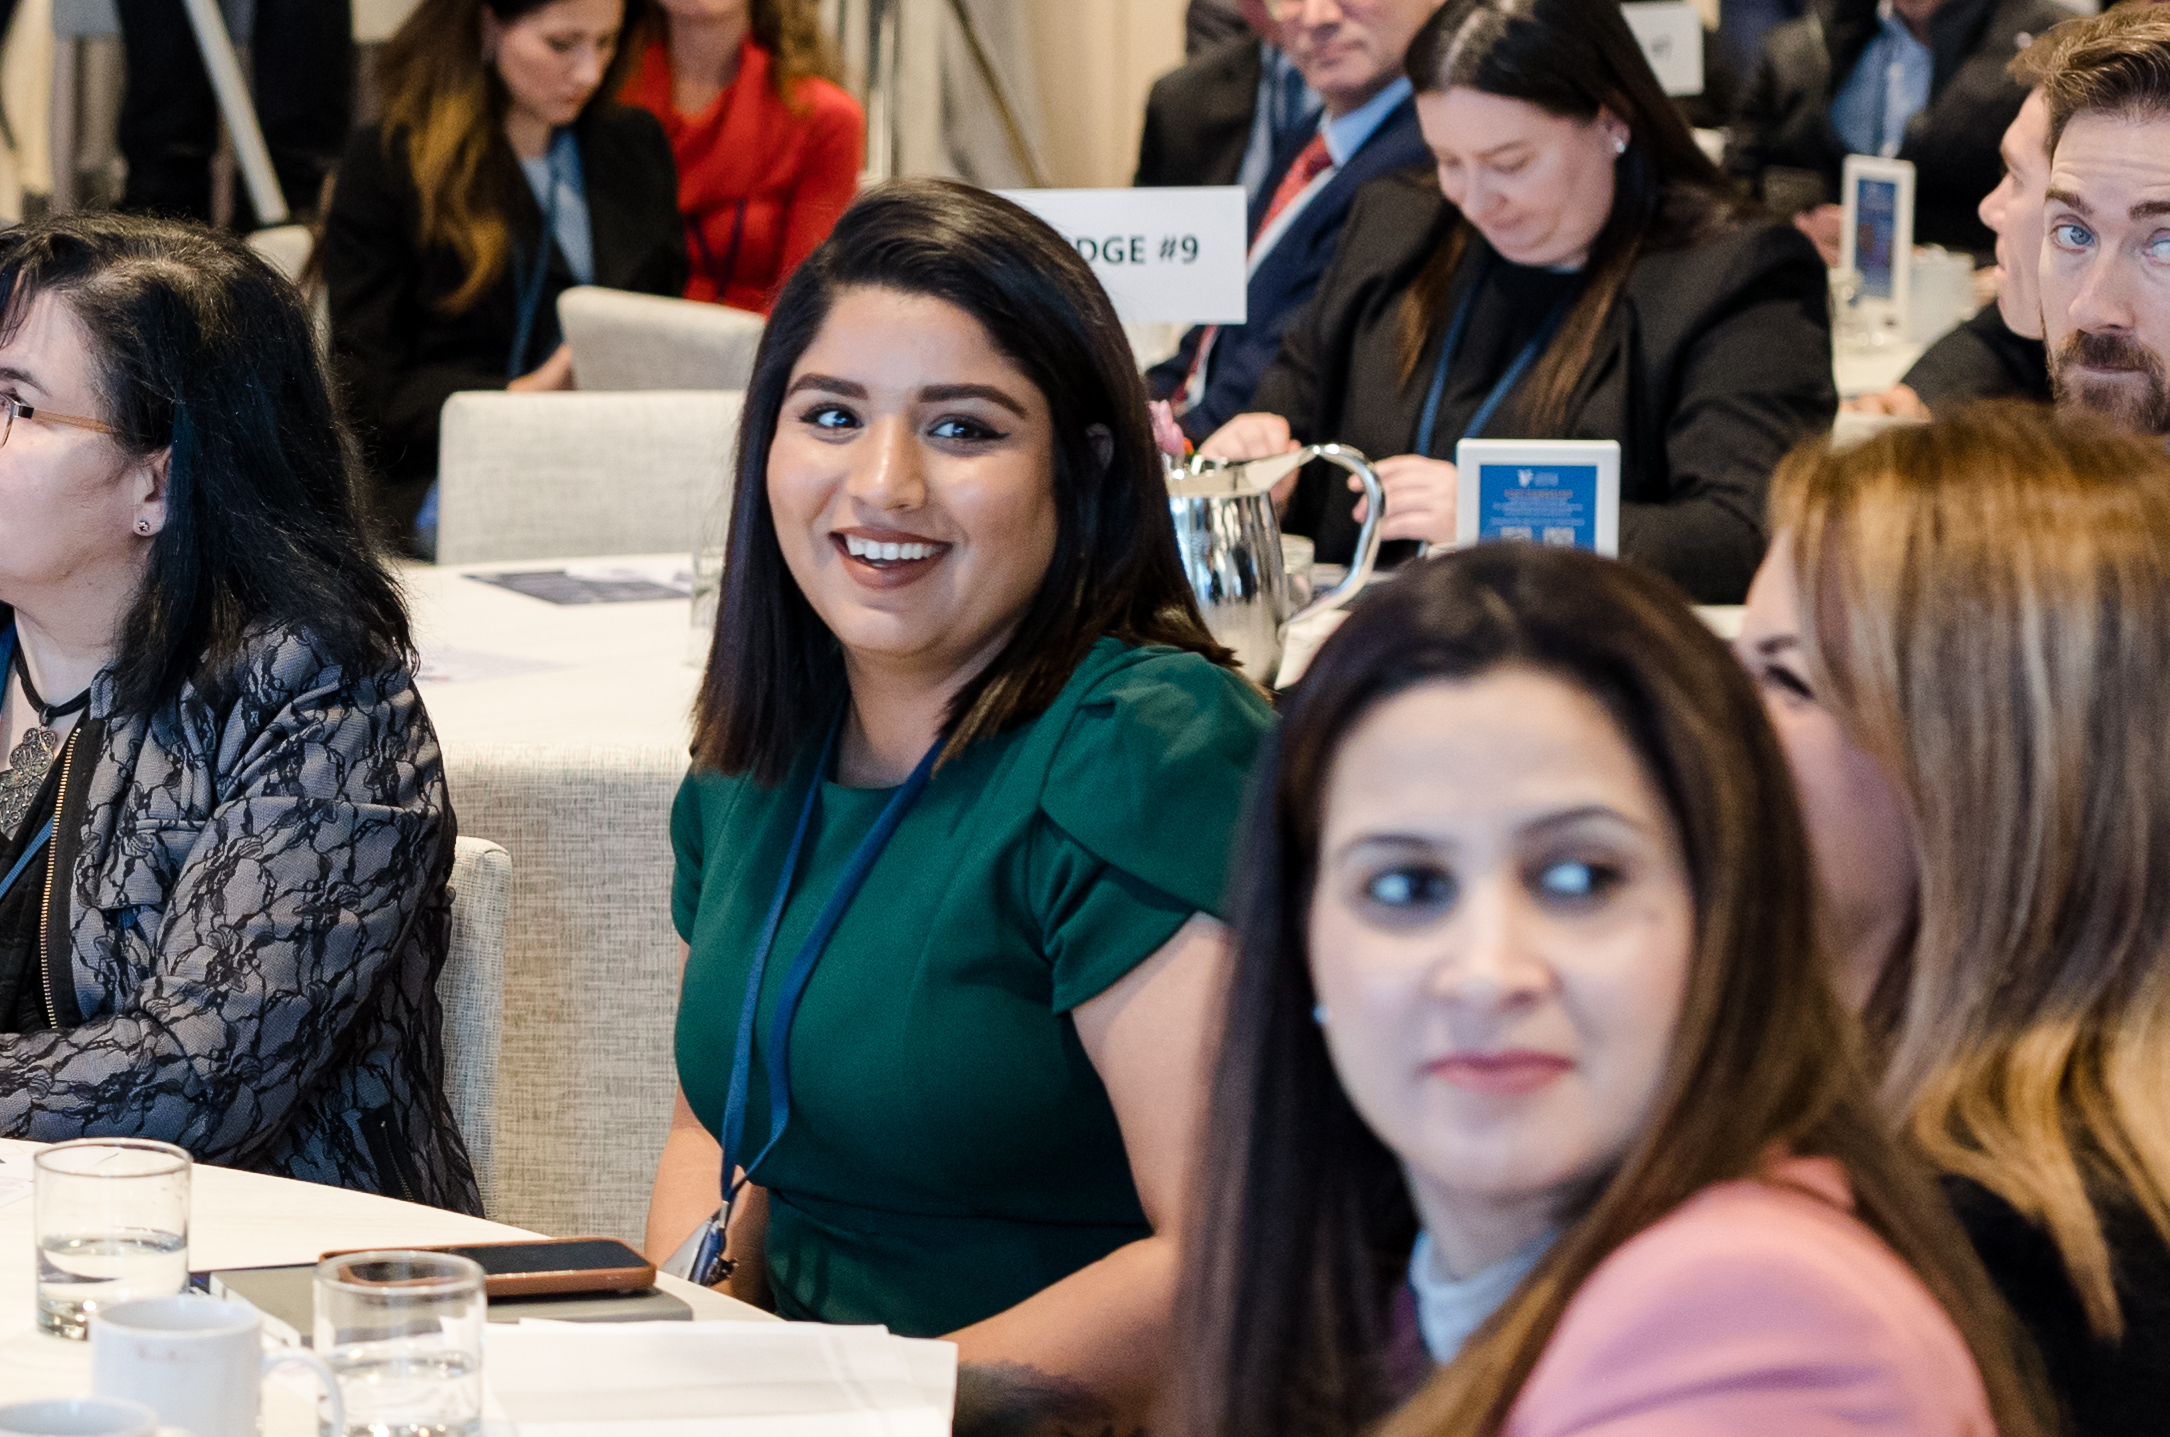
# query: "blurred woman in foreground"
1534, 1021
1960, 636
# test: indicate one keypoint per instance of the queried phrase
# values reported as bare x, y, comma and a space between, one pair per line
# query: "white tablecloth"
1876, 370
246, 1220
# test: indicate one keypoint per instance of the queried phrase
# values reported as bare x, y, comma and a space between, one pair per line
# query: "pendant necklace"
33, 757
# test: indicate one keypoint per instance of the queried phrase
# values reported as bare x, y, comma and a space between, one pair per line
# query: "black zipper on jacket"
52, 882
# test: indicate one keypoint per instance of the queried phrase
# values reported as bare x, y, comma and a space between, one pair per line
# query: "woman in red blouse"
768, 145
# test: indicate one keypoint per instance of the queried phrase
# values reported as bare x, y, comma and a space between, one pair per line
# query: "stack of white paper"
714, 1379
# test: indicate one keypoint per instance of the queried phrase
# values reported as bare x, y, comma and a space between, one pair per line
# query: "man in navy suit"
1350, 52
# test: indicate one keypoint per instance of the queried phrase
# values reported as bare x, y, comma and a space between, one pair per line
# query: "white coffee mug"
78, 1417
197, 1362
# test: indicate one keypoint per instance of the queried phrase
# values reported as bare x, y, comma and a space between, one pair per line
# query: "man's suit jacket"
1785, 112
1198, 118
1286, 277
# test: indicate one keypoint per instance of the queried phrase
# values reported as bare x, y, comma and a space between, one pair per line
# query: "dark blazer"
1785, 112
1198, 118
1981, 359
1285, 279
1714, 361
254, 913
399, 357
2106, 1389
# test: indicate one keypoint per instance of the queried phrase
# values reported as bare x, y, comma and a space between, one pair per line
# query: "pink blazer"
1758, 1309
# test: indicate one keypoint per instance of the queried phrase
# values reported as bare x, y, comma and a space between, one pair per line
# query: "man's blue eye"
2072, 236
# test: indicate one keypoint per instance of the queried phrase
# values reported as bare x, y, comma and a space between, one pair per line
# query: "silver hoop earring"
143, 526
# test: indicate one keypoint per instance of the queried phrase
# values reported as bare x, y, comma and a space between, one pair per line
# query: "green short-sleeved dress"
951, 1150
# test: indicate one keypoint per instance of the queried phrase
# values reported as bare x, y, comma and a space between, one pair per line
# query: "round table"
242, 1219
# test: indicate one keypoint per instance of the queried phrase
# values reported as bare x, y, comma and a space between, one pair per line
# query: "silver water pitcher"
1230, 541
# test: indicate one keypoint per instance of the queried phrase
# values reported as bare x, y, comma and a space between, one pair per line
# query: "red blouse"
760, 185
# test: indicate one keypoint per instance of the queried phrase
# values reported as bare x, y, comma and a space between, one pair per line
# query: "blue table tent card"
1539, 491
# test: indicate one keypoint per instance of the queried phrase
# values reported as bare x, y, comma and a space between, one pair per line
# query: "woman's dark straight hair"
201, 349
775, 672
1569, 58
1301, 1233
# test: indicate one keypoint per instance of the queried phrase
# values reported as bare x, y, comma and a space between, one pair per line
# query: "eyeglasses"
12, 409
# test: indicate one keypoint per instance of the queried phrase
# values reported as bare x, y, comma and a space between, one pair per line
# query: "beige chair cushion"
539, 476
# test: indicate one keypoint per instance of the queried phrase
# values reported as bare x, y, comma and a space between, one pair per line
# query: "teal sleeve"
688, 843
1140, 809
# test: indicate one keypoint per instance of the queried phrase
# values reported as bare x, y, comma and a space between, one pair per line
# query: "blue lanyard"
529, 292
45, 834
1507, 381
778, 1052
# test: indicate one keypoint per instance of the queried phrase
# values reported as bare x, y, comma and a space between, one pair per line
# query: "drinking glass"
112, 1226
402, 1332
707, 596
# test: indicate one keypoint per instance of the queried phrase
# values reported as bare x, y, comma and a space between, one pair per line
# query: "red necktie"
1310, 162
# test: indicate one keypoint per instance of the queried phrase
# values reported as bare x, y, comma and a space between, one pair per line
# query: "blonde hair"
446, 106
1987, 602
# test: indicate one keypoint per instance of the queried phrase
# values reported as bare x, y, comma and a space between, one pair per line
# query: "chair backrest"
643, 341
561, 474
288, 247
471, 990
591, 975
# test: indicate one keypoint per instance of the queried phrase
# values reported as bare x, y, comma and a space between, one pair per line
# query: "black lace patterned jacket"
255, 908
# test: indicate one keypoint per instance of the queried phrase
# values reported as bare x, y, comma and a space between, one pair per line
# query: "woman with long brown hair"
1530, 1025
500, 175
1960, 633
1577, 270
768, 143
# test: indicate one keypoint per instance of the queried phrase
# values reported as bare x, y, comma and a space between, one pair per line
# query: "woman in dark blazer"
432, 268
1608, 285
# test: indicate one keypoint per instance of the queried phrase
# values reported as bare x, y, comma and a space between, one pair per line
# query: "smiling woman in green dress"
967, 766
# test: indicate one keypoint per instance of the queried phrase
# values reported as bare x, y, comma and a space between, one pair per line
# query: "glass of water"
112, 1226
402, 1332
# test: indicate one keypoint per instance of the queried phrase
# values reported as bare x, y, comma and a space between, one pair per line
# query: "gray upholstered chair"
643, 341
573, 474
471, 990
587, 1072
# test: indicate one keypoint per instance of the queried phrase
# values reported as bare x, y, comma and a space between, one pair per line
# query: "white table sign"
1171, 256
1671, 34
1876, 233
1540, 491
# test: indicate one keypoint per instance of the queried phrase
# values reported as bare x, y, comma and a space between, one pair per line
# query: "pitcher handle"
1367, 538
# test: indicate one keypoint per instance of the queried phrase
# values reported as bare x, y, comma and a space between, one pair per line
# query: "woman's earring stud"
1619, 144
143, 526
1319, 1014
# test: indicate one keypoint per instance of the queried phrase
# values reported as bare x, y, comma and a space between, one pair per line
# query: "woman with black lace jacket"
224, 833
